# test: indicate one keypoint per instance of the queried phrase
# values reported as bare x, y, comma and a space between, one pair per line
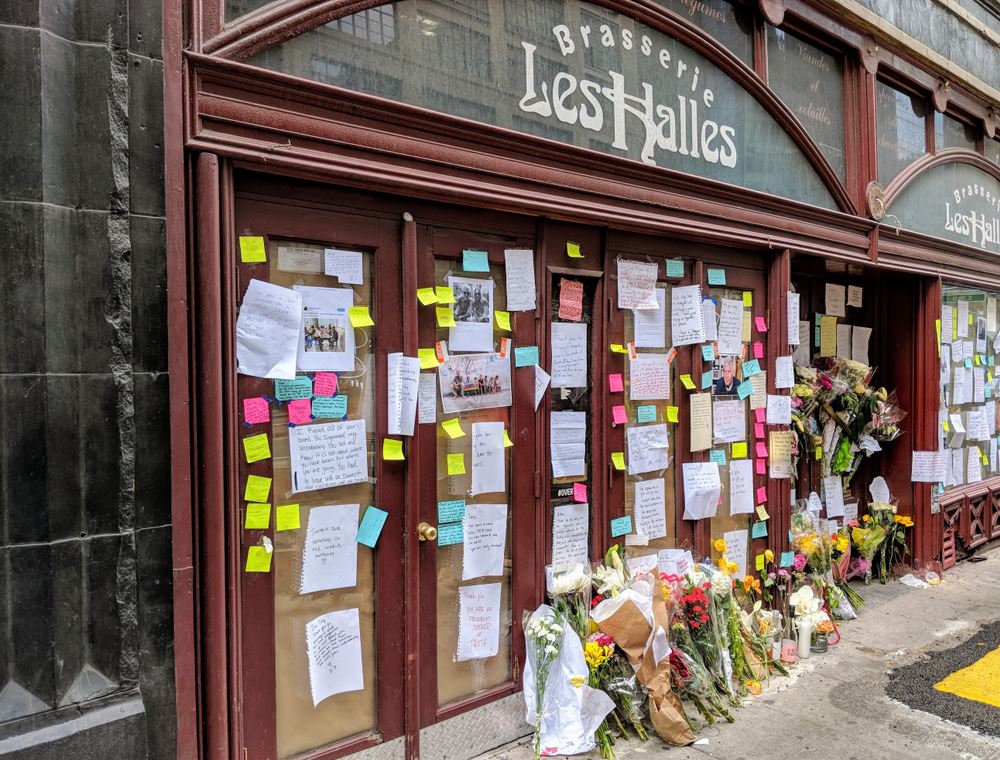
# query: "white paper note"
928, 466
779, 410
567, 435
569, 355
843, 341
711, 320
485, 538
651, 324
686, 326
701, 421
649, 509
542, 379
326, 340
947, 322
702, 488
793, 318
854, 296
520, 270
478, 621
488, 470
267, 331
570, 534
836, 298
731, 328
473, 311
404, 379
729, 421
333, 645
784, 372
675, 561
328, 454
741, 486
859, 343
802, 350
962, 320
737, 547
637, 284
330, 550
647, 448
427, 397
346, 266
649, 377
833, 493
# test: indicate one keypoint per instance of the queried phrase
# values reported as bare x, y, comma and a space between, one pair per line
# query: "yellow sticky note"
573, 250
989, 377
970, 317
258, 517
762, 513
618, 459
392, 449
360, 317
428, 358
286, 517
257, 488
507, 442
258, 560
426, 296
688, 382
954, 323
618, 348
253, 250
257, 447
445, 316
748, 298
673, 414
503, 320
945, 426
759, 562
444, 294
977, 360
456, 464
819, 453
453, 427
739, 450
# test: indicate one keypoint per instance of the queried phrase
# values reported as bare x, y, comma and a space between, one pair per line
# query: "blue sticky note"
329, 407
451, 511
706, 380
475, 261
718, 456
289, 390
646, 413
371, 526
789, 535
787, 559
716, 276
621, 526
525, 356
759, 530
675, 268
818, 318
987, 391
708, 352
751, 367
450, 533
991, 360
968, 362
744, 389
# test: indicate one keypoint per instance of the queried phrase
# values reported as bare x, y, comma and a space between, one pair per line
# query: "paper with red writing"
299, 411
325, 384
478, 621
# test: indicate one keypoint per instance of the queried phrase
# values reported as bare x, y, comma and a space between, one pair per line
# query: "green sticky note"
290, 390
744, 389
708, 352
258, 517
646, 413
475, 261
450, 533
759, 530
717, 455
371, 526
716, 276
706, 380
451, 511
621, 526
675, 268
329, 407
525, 356
787, 559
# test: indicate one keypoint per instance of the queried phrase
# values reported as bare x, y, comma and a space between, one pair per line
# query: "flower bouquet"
865, 540
884, 515
543, 634
598, 651
569, 590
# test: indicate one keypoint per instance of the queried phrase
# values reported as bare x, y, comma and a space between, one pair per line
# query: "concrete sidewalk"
835, 705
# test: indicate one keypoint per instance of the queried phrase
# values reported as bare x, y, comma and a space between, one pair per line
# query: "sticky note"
751, 367
708, 352
329, 408
256, 410
718, 456
445, 316
258, 517
503, 319
428, 358
646, 413
258, 560
762, 494
451, 511
787, 559
325, 384
453, 427
760, 467
451, 533
252, 250
673, 413
525, 356
968, 362
744, 389
762, 512
286, 517
580, 492
392, 449
615, 384
759, 562
573, 250
507, 442
288, 390
819, 453
426, 296
760, 414
716, 276
360, 317
475, 261
758, 430
256, 448
760, 323
456, 464
761, 449
706, 380
618, 415
739, 450
258, 488
618, 348
618, 460
299, 411
748, 298
444, 294
621, 526
759, 530
687, 382
758, 350
675, 268
978, 362
371, 526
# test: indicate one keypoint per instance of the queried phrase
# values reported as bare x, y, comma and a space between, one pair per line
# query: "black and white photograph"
473, 309
474, 381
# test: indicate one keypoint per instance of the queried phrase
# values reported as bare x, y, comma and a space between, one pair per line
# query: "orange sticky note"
256, 448
258, 560
252, 250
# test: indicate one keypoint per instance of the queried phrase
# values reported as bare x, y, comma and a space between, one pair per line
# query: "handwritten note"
267, 331
328, 454
427, 398
702, 488
404, 377
252, 250
570, 300
741, 487
333, 408
637, 284
650, 508
686, 324
647, 448
650, 325
488, 470
485, 527
729, 421
333, 644
569, 355
258, 517
836, 299
621, 526
256, 448
371, 526
478, 622
294, 389
256, 410
570, 534
525, 356
701, 421
286, 517
793, 318
520, 270
731, 327
928, 467
779, 410
567, 443
258, 488
346, 266
649, 377
258, 560
330, 552
299, 411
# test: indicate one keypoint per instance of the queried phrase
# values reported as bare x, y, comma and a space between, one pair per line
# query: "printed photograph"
725, 376
324, 333
474, 381
473, 300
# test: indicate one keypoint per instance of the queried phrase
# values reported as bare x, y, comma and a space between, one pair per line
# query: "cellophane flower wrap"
569, 591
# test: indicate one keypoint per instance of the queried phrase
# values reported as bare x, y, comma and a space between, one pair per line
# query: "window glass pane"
730, 24
237, 8
900, 120
968, 385
993, 151
952, 133
811, 82
618, 87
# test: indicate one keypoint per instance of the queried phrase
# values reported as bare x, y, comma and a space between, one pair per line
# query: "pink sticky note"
760, 324
256, 410
300, 411
324, 384
758, 350
761, 449
760, 467
762, 495
580, 492
570, 300
618, 415
758, 430
615, 384
759, 414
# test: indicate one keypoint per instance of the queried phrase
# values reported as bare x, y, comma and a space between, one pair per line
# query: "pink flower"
799, 562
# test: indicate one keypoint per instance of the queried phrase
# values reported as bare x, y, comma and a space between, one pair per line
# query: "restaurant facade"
760, 152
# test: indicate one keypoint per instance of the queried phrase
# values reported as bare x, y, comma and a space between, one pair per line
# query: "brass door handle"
427, 532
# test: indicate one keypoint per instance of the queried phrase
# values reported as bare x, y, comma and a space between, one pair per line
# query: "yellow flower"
768, 555
732, 567
866, 518
576, 682
723, 565
751, 583
720, 545
903, 520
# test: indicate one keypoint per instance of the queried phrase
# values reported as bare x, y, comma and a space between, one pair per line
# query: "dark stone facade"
86, 631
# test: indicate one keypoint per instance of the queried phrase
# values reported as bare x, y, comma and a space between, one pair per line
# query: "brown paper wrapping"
629, 628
